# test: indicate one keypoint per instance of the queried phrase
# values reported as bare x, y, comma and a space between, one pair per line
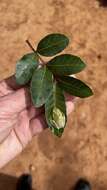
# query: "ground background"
82, 151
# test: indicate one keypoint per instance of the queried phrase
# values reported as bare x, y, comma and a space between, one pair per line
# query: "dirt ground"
82, 151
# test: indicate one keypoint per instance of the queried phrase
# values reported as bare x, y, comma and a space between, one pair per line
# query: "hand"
19, 120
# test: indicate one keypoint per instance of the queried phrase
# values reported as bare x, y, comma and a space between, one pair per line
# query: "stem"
41, 59
32, 48
30, 45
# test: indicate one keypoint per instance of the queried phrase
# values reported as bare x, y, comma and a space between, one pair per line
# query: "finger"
12, 146
11, 82
8, 86
68, 97
26, 114
4, 134
25, 129
15, 102
22, 129
4, 89
69, 107
34, 112
9, 149
38, 124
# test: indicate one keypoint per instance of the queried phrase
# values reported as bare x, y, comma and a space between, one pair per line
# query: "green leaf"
66, 64
52, 44
55, 111
75, 87
25, 68
41, 86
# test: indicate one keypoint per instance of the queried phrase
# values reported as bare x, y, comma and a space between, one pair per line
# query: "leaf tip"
88, 93
57, 132
58, 118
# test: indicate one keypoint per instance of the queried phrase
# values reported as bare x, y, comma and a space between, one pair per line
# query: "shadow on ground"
7, 181
103, 3
57, 178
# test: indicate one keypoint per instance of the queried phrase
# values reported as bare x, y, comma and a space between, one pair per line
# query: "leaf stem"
41, 59
32, 48
30, 45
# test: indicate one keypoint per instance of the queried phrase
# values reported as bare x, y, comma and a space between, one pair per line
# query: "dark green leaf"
52, 44
41, 86
66, 64
55, 111
25, 68
75, 87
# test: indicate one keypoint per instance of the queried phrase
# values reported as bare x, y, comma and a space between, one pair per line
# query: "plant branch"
30, 45
41, 59
32, 48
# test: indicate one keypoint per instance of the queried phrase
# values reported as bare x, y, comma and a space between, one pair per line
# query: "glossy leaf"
41, 86
75, 87
52, 44
25, 68
55, 111
66, 64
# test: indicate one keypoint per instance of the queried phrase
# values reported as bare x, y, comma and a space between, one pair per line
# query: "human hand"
19, 119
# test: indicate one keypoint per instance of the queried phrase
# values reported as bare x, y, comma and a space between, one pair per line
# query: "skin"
19, 120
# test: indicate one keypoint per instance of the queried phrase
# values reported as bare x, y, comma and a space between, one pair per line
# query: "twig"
41, 59
32, 48
30, 45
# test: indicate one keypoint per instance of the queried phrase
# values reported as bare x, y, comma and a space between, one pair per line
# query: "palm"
19, 120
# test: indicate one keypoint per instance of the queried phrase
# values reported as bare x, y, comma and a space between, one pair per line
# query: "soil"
82, 151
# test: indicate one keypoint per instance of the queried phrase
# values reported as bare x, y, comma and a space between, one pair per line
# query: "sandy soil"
82, 151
